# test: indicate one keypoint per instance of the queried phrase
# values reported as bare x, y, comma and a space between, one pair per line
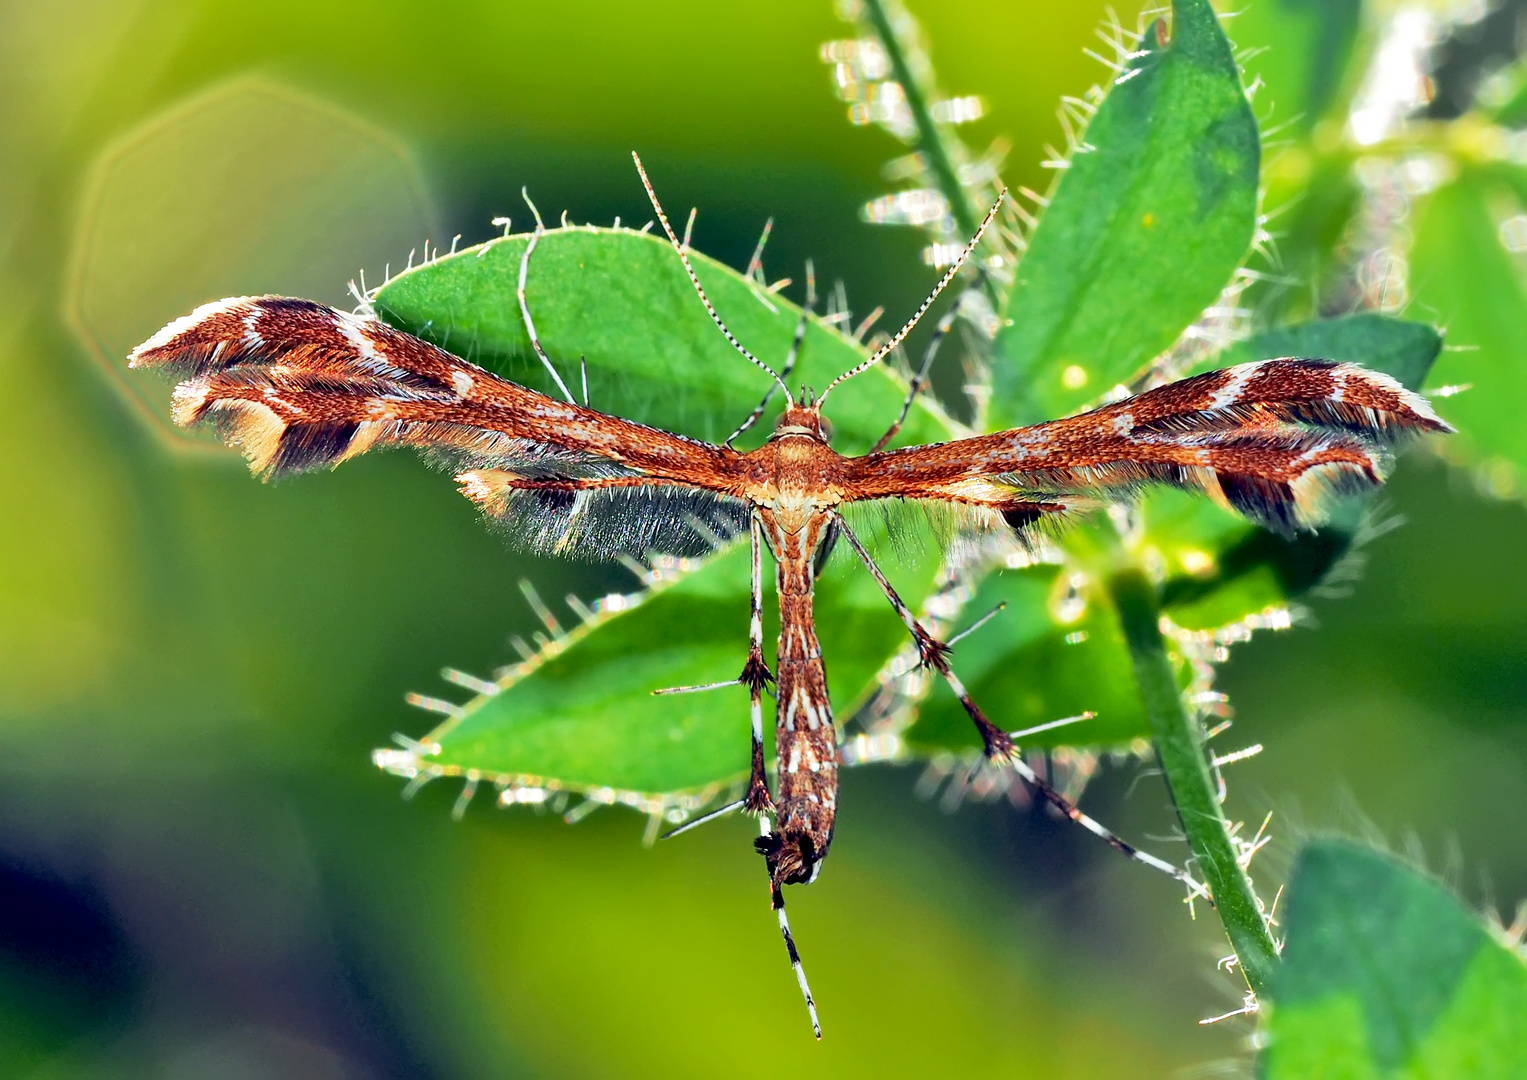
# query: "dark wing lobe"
299, 386
1273, 439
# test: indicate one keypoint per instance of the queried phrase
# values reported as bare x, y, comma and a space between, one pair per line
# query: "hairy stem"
929, 140
1180, 749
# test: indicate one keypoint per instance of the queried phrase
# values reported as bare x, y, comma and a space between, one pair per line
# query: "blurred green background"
200, 872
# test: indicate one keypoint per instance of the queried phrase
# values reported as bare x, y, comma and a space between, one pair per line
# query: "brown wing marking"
1272, 438
299, 385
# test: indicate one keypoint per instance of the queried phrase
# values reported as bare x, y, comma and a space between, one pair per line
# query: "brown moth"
298, 385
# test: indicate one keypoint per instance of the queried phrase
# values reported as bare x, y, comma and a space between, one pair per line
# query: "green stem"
1180, 749
929, 141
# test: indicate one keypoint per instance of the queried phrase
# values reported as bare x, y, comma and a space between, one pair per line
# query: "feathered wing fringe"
1274, 440
299, 386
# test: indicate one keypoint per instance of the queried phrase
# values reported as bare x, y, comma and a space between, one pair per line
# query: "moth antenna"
583, 366
795, 348
530, 326
702, 819
954, 268
695, 281
917, 385
800, 327
689, 226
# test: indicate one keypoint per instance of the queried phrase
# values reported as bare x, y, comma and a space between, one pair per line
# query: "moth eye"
824, 425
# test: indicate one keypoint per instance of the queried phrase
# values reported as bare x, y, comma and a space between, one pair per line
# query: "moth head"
803, 418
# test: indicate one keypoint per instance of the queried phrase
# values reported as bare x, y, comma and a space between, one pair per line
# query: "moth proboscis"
299, 385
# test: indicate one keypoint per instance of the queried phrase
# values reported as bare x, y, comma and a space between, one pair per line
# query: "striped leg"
777, 902
999, 744
755, 676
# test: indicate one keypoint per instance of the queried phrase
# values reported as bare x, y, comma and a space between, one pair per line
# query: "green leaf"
1153, 214
1311, 196
1301, 55
1385, 974
1463, 277
1304, 52
620, 300
583, 715
1220, 567
1399, 348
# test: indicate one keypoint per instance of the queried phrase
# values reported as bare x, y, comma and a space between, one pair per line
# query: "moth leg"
777, 902
756, 675
919, 381
795, 350
934, 654
999, 744
703, 819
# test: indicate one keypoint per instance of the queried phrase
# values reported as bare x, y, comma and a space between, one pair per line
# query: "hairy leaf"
1155, 211
620, 301
1385, 974
1303, 60
583, 715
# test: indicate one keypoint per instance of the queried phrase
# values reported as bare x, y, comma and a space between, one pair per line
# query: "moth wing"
300, 386
1271, 439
